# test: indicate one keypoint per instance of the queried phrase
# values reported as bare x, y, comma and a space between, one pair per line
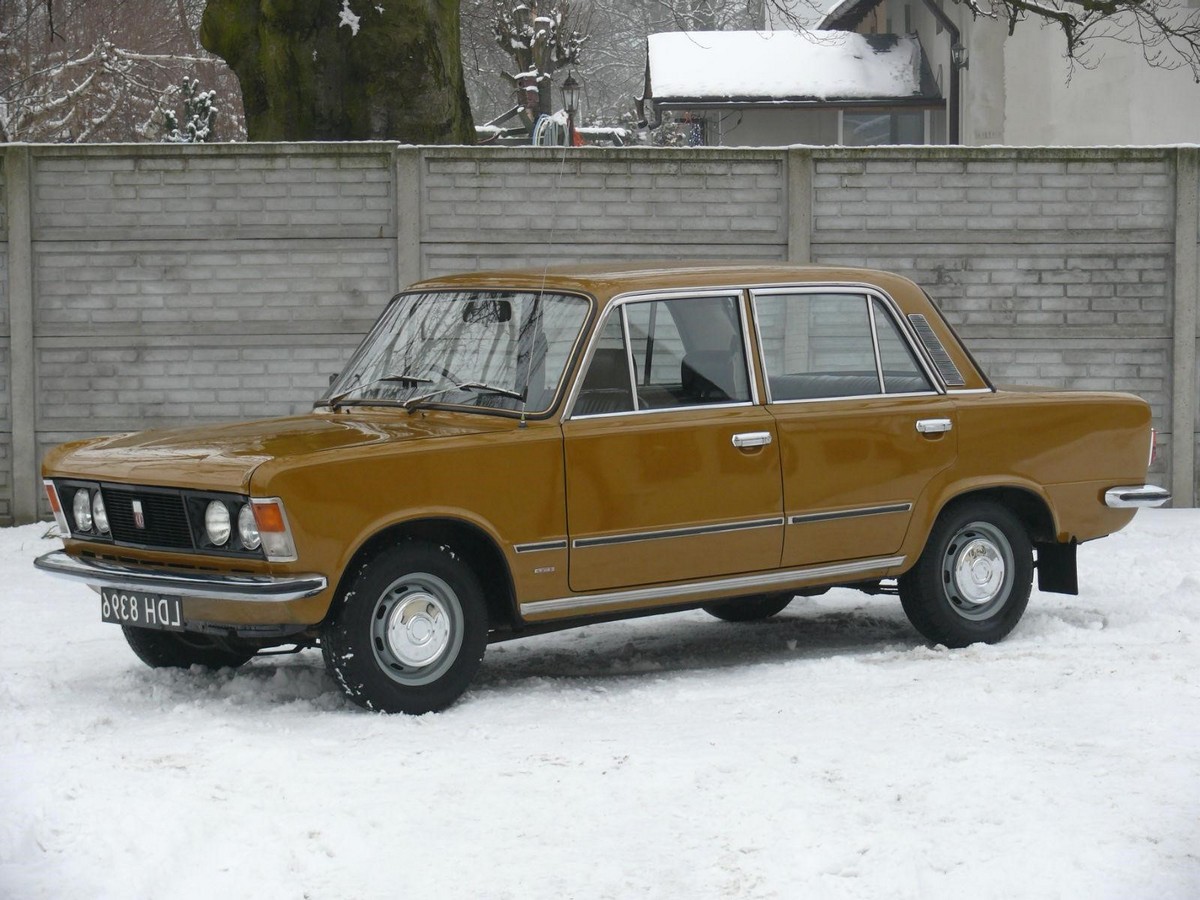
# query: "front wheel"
409, 631
972, 581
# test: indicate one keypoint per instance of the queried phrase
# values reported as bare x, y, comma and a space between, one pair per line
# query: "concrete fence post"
1187, 286
18, 174
799, 205
408, 163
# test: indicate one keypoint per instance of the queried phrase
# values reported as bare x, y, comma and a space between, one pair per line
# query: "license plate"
141, 609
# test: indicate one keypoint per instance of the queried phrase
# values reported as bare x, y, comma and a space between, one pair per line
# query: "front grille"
163, 514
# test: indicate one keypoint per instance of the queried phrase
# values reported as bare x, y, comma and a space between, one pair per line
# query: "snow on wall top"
778, 65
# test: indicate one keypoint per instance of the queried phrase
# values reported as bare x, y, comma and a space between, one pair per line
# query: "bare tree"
74, 70
1166, 31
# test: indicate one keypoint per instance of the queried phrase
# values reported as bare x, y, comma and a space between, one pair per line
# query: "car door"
863, 425
673, 469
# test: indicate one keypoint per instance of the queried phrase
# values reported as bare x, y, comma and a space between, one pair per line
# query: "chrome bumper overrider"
209, 585
1136, 496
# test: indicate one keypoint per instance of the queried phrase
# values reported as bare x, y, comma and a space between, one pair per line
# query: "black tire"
183, 649
971, 583
408, 631
749, 609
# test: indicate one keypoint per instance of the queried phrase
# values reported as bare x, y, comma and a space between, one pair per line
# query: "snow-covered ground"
825, 753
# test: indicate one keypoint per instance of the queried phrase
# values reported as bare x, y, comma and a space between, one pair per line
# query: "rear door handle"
934, 426
751, 439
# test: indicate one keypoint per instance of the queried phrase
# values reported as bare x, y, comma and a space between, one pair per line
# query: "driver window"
689, 352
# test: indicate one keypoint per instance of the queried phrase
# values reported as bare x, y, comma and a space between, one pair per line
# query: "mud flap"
1057, 572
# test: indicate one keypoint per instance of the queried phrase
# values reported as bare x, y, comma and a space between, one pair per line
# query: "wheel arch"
1030, 508
468, 541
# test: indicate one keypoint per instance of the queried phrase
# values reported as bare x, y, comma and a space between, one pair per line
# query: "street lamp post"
570, 91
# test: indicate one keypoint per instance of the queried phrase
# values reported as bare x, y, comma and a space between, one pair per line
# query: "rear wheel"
409, 632
973, 579
182, 650
749, 609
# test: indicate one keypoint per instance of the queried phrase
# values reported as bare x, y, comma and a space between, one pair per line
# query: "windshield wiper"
479, 386
400, 379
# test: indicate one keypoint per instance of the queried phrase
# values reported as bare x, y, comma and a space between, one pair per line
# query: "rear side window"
821, 346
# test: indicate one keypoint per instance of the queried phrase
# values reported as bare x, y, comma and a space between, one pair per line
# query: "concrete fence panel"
152, 286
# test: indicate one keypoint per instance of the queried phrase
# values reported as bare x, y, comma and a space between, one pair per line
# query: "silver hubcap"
416, 631
978, 571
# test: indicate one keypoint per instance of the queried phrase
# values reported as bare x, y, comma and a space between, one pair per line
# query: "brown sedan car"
513, 452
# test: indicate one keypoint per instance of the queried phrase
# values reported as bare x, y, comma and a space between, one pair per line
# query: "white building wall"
1121, 101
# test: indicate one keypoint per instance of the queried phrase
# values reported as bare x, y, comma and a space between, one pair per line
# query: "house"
979, 85
767, 88
1021, 90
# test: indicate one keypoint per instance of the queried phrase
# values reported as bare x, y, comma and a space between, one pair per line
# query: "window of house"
867, 128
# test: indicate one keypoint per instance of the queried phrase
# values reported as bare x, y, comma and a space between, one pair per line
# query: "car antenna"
537, 300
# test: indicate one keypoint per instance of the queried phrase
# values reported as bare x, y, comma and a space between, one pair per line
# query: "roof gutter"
735, 103
952, 104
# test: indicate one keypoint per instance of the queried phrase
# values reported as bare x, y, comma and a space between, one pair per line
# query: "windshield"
465, 348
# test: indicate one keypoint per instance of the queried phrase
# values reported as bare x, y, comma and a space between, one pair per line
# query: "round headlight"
248, 528
216, 523
82, 507
99, 513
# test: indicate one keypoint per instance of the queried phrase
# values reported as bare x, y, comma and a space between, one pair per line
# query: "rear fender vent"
941, 359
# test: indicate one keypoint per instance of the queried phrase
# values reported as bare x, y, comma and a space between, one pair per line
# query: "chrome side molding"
597, 603
1136, 496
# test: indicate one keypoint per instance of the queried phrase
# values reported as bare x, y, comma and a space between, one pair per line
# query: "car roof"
606, 280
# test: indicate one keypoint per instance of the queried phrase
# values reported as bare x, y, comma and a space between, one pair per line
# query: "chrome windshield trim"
805, 518
635, 537
1136, 496
596, 602
209, 585
539, 546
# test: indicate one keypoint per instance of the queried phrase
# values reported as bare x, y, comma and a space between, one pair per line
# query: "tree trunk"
345, 69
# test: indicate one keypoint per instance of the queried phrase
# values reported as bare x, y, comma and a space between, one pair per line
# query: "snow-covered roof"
786, 65
846, 13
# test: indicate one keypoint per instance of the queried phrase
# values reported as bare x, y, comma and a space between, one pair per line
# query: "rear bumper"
253, 588
1136, 496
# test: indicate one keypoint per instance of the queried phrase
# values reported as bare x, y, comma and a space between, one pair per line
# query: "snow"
826, 65
349, 19
824, 753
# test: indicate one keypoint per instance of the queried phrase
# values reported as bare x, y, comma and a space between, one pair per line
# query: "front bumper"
209, 585
1136, 496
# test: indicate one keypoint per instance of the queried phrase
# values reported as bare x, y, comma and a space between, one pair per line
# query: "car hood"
223, 457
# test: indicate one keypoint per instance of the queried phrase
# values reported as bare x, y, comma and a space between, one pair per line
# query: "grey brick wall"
188, 285
5, 340
1054, 265
503, 209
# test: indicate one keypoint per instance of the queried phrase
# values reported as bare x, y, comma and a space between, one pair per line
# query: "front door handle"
934, 426
751, 439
